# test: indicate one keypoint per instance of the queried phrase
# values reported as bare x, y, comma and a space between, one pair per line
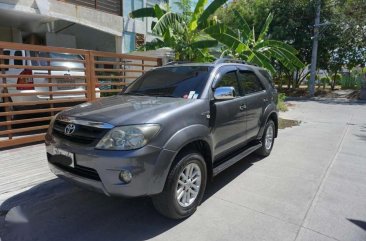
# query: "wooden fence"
36, 82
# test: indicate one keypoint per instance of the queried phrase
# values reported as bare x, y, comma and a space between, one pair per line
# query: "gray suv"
167, 133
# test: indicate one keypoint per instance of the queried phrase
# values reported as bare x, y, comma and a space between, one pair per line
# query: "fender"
172, 147
267, 112
187, 135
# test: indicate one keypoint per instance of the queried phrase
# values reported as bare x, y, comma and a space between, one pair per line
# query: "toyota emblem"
69, 129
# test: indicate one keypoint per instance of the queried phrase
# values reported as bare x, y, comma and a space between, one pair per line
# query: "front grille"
77, 170
82, 134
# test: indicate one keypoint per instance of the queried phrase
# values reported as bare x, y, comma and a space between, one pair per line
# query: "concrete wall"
60, 40
88, 38
5, 34
109, 36
84, 16
9, 34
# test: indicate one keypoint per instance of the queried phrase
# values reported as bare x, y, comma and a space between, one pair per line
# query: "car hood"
126, 110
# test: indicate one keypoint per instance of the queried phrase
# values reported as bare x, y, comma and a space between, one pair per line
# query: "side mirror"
224, 93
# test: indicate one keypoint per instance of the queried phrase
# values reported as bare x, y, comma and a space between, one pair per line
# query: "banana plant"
244, 44
184, 35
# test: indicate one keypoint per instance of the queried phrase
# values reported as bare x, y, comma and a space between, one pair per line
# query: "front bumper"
99, 170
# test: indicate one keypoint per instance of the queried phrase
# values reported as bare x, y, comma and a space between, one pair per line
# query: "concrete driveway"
312, 187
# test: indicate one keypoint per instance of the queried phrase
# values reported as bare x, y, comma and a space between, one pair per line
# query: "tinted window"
229, 80
64, 63
64, 57
39, 62
249, 82
6, 61
18, 61
181, 82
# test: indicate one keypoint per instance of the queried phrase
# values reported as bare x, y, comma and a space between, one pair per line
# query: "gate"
36, 82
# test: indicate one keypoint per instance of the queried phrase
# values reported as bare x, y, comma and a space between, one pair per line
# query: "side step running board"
235, 159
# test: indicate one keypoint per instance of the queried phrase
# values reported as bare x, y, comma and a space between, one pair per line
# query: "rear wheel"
267, 139
184, 187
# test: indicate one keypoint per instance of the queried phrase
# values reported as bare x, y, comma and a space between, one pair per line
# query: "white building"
86, 24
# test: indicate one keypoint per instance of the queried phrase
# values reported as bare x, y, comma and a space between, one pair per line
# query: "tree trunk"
363, 89
332, 85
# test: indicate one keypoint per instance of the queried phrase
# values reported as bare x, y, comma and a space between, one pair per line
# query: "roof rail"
230, 60
177, 62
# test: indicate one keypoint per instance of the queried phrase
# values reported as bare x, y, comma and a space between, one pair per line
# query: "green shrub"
281, 102
350, 83
325, 80
338, 79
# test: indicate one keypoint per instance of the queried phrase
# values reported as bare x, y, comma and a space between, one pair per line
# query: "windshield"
181, 82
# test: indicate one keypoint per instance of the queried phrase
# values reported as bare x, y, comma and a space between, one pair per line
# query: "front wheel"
267, 139
184, 187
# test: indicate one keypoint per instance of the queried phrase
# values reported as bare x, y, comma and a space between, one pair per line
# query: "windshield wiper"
162, 95
134, 93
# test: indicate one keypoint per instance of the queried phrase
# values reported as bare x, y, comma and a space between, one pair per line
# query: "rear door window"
249, 82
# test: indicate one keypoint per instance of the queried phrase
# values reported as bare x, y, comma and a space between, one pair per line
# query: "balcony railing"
109, 6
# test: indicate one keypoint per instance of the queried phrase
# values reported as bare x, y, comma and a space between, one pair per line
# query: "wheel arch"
269, 114
196, 137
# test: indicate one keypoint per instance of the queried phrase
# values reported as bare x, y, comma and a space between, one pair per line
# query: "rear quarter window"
267, 76
5, 61
18, 61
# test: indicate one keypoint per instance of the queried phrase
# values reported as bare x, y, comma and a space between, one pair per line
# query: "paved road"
312, 188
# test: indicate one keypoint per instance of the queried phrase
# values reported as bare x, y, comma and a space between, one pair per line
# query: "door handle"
265, 99
243, 107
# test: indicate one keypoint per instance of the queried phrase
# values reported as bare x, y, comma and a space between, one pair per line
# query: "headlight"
128, 137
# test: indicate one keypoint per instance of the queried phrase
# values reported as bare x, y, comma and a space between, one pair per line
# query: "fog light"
125, 176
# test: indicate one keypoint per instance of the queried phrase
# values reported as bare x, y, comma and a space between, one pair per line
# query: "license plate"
58, 151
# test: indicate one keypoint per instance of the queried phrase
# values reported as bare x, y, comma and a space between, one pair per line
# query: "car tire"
267, 139
184, 187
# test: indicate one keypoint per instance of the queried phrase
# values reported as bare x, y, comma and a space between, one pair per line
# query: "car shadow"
56, 210
359, 223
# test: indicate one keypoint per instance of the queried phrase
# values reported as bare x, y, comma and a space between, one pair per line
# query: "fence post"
93, 78
6, 99
90, 75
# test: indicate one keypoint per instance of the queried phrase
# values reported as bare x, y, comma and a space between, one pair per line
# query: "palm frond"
158, 11
244, 26
265, 28
280, 57
196, 14
224, 35
211, 9
266, 62
143, 12
201, 44
275, 43
168, 20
